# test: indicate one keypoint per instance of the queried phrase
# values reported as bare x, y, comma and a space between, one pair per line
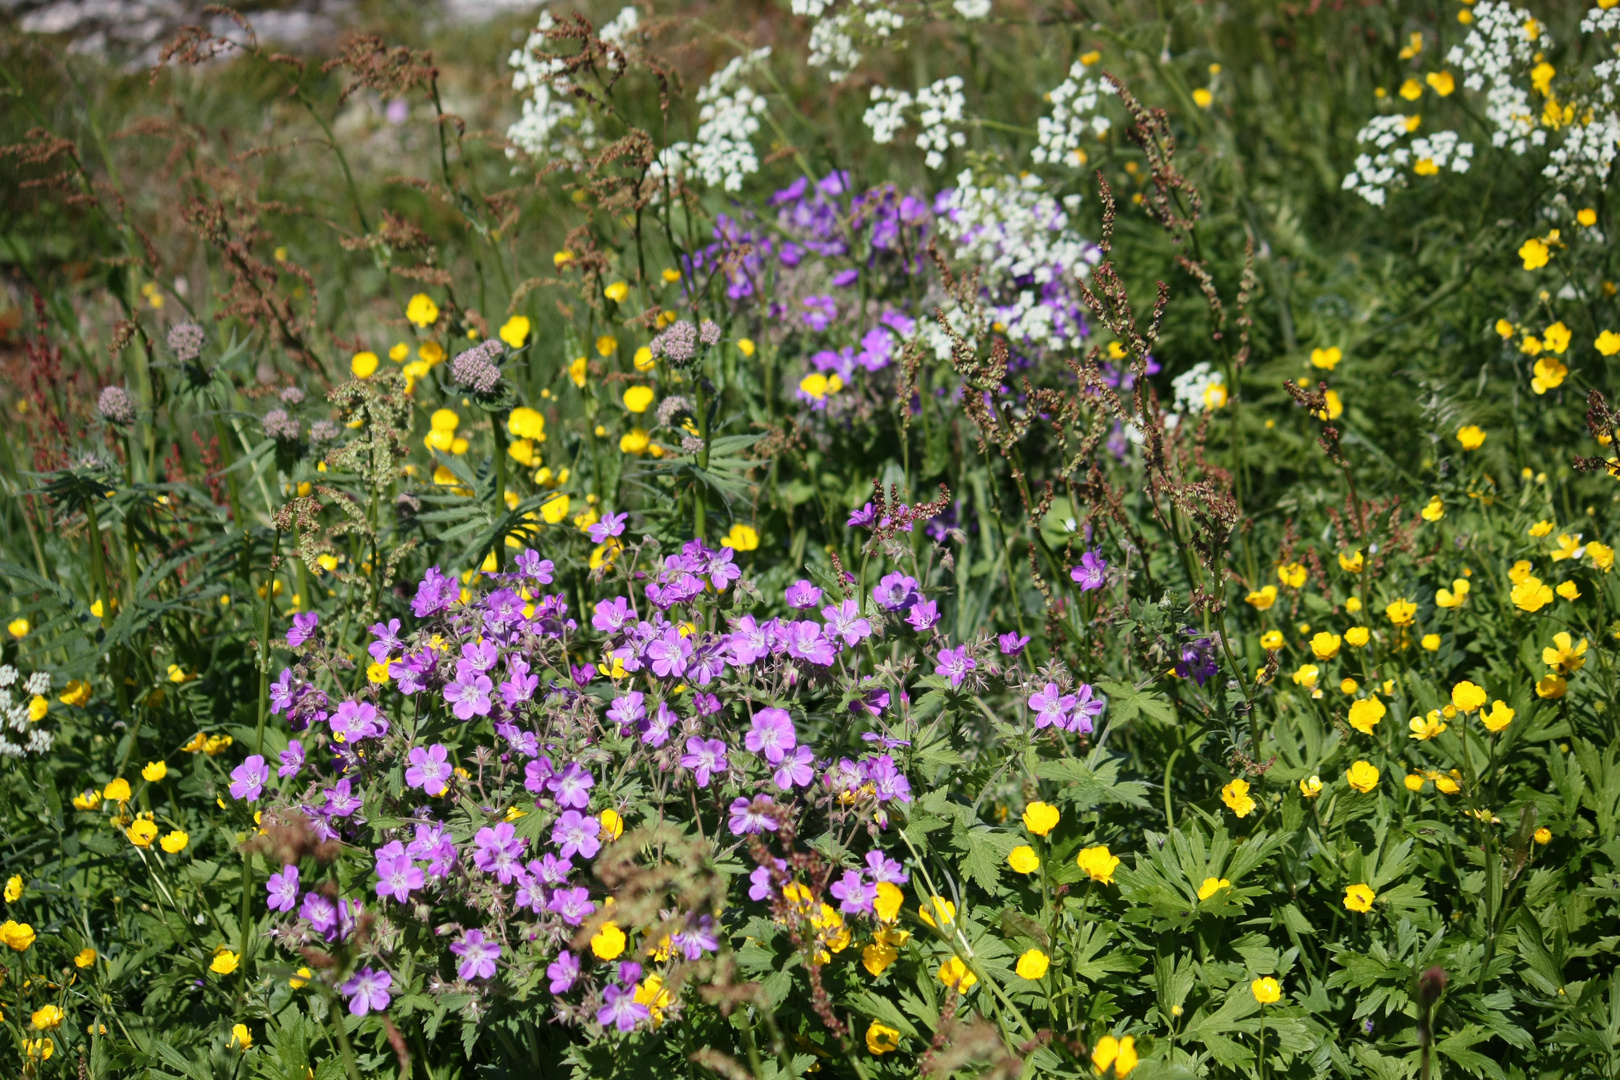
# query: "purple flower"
478, 656
1087, 708
669, 653
806, 642
1051, 706
855, 894
368, 991
864, 518
760, 880
573, 786
924, 614
704, 758
248, 779
628, 710
498, 851
478, 956
844, 620
772, 734
411, 673
574, 905
883, 868
697, 939
397, 876
621, 1010
357, 720
610, 525
655, 730
1092, 573
435, 593
611, 615
1197, 658
801, 594
340, 799
895, 591
576, 833
887, 781
550, 869
562, 972
433, 844
319, 912
283, 889
529, 564
292, 759
469, 692
819, 312
387, 641
955, 664
302, 628
430, 769
537, 772
521, 686
1012, 644
281, 692
750, 816
796, 769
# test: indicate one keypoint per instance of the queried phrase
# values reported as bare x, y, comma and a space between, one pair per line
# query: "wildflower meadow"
753, 539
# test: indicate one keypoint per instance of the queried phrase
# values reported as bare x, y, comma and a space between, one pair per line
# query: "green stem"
264, 643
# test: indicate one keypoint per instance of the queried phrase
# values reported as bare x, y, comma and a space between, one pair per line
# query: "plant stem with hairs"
264, 643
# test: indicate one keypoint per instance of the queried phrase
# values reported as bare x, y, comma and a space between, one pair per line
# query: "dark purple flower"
478, 956
435, 593
1012, 644
292, 759
655, 729
1197, 658
283, 889
340, 799
895, 592
368, 991
1092, 573
521, 685
248, 779
863, 518
1051, 706
303, 627
887, 781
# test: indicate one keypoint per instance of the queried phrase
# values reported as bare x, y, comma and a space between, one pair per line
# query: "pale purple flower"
806, 642
1088, 707
882, 868
704, 758
802, 594
577, 834
1051, 706
771, 734
434, 845
283, 889
537, 772
435, 593
387, 641
621, 1010
887, 781
281, 693
478, 956
319, 912
655, 730
669, 653
722, 570
573, 786
529, 564
521, 685
248, 779
573, 905
628, 710
430, 769
368, 991
562, 972
469, 692
478, 656
1012, 644
818, 312
302, 628
498, 851
796, 769
750, 816
760, 880
844, 620
611, 525
924, 614
955, 664
864, 518
340, 799
397, 876
697, 938
1092, 573
357, 720
292, 759
550, 869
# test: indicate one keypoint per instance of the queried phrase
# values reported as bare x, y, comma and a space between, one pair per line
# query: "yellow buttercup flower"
1040, 818
877, 957
47, 1018
422, 310
617, 291
1365, 714
1531, 595
881, 1038
525, 423
1325, 646
84, 958
1569, 547
1262, 599
300, 979
1497, 717
608, 942
1363, 776
515, 331
1548, 374
16, 936
14, 888
1434, 511
1602, 557
1237, 799
638, 398
1534, 253
1454, 597
175, 842
76, 692
1357, 636
1542, 835
1540, 529
1211, 886
1401, 612
1471, 436
1032, 965
1427, 727
117, 791
1266, 991
18, 628
1467, 696
1352, 562
241, 1038
142, 832
888, 902
1306, 676
937, 905
1118, 1053
1271, 640
1292, 574
1098, 863
1326, 359
154, 771
955, 974
363, 365
1023, 859
741, 538
1568, 590
577, 370
612, 824
1359, 898
1564, 656
224, 961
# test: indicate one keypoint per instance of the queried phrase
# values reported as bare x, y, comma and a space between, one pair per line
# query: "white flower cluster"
1022, 239
1591, 143
618, 32
1074, 113
549, 117
972, 9
722, 154
1501, 44
1374, 174
939, 108
1200, 387
841, 26
14, 711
